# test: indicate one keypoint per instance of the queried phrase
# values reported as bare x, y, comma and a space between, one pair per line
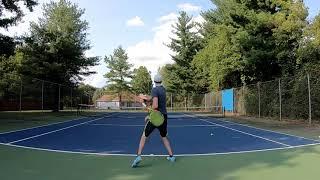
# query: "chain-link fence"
296, 98
21, 93
177, 101
292, 98
209, 102
315, 97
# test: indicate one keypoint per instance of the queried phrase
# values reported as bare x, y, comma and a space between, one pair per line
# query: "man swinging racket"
156, 119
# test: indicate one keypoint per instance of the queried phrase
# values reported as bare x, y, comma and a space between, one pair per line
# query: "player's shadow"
145, 165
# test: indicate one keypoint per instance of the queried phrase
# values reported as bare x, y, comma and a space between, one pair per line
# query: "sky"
142, 27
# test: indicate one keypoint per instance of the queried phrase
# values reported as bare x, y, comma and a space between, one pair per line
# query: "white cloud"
199, 19
168, 18
151, 53
97, 80
154, 53
189, 7
136, 21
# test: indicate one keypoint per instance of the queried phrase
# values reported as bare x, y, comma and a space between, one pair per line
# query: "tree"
14, 6
219, 60
170, 79
309, 50
86, 93
98, 93
7, 44
119, 72
185, 45
251, 41
141, 82
55, 50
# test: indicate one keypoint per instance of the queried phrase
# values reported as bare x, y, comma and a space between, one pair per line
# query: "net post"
259, 97
309, 94
280, 100
20, 95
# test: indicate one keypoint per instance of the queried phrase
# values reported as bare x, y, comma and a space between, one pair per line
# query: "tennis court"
118, 133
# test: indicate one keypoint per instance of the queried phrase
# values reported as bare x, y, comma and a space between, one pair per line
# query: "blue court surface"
119, 133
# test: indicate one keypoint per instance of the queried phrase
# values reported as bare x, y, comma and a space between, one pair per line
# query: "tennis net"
92, 110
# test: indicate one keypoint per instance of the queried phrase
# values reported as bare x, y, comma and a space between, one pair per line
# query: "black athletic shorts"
162, 129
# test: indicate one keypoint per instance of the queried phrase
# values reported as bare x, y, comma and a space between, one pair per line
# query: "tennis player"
158, 99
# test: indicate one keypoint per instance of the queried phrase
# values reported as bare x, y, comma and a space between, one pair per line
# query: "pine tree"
119, 74
141, 82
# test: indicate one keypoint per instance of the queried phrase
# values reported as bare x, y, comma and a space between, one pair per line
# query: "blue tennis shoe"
171, 158
136, 162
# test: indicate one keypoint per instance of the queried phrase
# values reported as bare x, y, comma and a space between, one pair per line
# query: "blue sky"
108, 20
142, 27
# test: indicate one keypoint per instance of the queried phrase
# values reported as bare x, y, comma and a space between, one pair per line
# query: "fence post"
259, 99
243, 100
71, 98
59, 97
135, 101
309, 92
20, 95
216, 98
171, 103
211, 97
205, 101
185, 102
42, 87
280, 103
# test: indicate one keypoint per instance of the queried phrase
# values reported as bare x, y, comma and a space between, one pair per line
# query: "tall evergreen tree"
56, 48
185, 46
141, 82
119, 74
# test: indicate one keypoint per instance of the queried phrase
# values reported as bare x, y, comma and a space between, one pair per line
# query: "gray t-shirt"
160, 92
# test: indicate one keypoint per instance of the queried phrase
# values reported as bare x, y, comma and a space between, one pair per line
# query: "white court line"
268, 130
7, 132
242, 132
159, 155
132, 125
50, 132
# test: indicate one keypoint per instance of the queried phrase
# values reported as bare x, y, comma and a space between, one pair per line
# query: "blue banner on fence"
227, 99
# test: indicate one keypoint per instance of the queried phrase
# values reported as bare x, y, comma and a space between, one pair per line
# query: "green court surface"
295, 164
26, 164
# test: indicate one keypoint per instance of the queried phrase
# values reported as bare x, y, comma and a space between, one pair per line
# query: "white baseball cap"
157, 78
